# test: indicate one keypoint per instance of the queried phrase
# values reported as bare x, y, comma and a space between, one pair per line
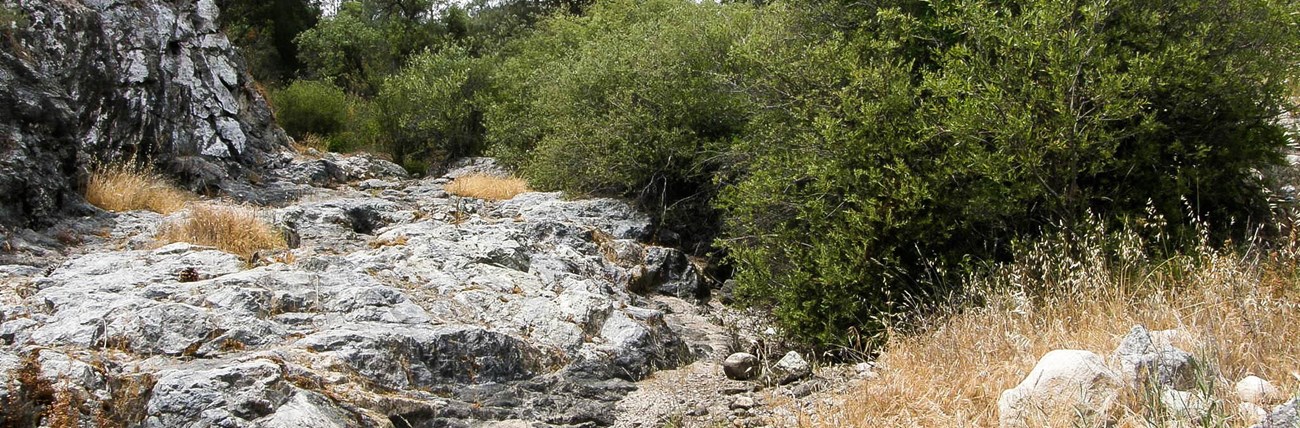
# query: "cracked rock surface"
400, 306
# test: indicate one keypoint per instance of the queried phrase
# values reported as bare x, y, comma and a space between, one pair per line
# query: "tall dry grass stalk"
484, 186
236, 230
1238, 310
126, 188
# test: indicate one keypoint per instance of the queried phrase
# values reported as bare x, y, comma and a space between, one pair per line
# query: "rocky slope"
400, 306
89, 80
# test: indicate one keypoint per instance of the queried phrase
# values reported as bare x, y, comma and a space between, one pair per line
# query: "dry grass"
488, 187
1237, 309
126, 188
236, 230
311, 144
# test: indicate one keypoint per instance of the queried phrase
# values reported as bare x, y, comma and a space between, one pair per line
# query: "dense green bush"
929, 135
629, 99
311, 107
429, 109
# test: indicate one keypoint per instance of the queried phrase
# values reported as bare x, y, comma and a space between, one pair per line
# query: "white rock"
1254, 390
790, 368
1062, 384
1185, 405
1251, 413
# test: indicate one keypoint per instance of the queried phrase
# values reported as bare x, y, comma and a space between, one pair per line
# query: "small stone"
1251, 413
1258, 391
742, 402
1185, 405
791, 367
740, 366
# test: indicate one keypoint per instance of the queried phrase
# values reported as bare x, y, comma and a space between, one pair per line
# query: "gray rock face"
1284, 416
1144, 361
390, 310
91, 80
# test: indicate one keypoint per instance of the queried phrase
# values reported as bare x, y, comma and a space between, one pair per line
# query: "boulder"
741, 366
1065, 384
670, 272
1145, 362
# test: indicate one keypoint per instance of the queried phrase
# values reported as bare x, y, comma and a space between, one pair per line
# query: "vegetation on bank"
852, 163
1087, 291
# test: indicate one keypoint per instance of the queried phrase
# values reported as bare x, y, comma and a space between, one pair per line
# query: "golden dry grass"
488, 187
1238, 312
311, 144
126, 188
236, 230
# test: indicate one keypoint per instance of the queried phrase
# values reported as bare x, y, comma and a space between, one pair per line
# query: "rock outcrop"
401, 306
84, 81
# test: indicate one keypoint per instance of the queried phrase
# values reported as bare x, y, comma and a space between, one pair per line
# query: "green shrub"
429, 110
630, 99
311, 107
12, 18
919, 142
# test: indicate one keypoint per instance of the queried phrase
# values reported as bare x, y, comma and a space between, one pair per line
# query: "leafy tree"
628, 99
265, 32
367, 40
429, 109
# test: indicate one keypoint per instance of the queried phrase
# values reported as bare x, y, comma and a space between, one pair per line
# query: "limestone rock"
1144, 361
1064, 383
1251, 413
1254, 390
741, 366
790, 368
389, 309
1191, 406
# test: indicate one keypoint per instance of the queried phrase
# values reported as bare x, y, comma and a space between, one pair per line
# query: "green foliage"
896, 154
265, 30
629, 99
311, 107
12, 18
429, 108
347, 49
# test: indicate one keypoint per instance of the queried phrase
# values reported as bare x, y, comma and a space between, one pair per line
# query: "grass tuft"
488, 187
127, 188
236, 230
